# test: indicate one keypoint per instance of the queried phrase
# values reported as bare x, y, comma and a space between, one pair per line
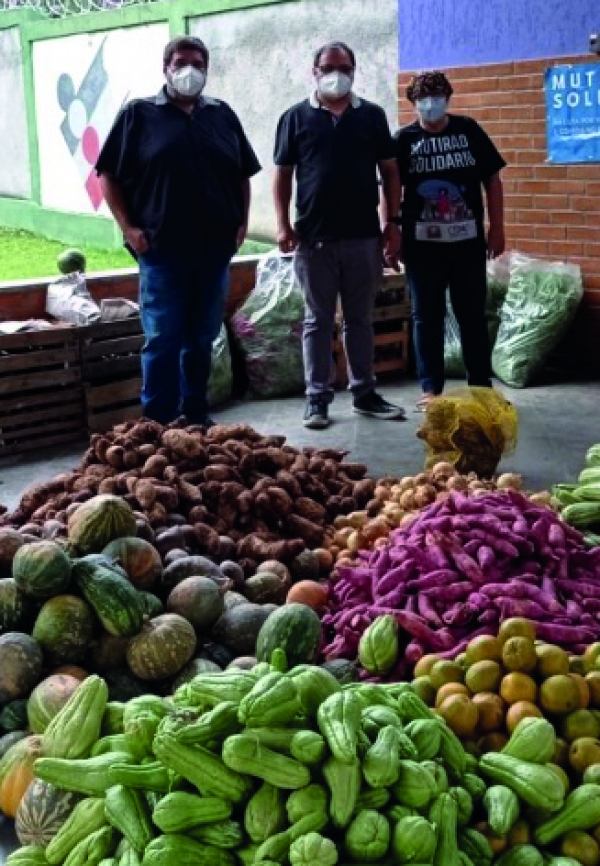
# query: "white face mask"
432, 108
335, 85
188, 81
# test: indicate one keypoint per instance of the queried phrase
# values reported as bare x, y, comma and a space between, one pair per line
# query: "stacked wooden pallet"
41, 390
111, 371
391, 326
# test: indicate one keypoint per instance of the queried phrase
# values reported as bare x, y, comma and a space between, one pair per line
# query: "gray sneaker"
316, 415
375, 406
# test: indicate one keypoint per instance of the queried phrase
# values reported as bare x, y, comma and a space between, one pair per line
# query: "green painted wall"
29, 214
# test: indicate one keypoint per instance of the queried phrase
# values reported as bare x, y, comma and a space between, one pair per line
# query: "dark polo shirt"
336, 167
181, 174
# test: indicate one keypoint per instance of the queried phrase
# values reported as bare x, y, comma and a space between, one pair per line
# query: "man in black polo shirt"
336, 142
175, 171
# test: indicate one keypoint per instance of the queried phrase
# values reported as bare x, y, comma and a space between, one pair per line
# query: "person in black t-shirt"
335, 142
175, 171
445, 161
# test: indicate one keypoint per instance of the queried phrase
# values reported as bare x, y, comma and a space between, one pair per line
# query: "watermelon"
15, 606
343, 670
48, 698
70, 261
10, 541
99, 521
42, 812
21, 665
41, 569
14, 716
140, 559
64, 629
294, 628
163, 647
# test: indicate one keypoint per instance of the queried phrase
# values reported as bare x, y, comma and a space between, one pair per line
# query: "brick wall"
552, 211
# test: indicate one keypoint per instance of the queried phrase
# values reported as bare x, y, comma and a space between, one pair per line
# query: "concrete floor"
557, 424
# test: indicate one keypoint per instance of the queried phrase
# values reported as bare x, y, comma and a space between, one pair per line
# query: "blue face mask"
432, 108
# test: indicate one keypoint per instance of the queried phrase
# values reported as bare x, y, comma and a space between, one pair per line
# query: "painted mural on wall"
80, 83
573, 113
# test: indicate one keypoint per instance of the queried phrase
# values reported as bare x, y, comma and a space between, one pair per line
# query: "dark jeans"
350, 270
182, 304
431, 268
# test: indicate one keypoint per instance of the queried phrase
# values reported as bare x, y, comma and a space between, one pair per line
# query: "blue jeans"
182, 305
431, 268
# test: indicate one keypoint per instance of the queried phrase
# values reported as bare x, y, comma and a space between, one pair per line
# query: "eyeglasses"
328, 69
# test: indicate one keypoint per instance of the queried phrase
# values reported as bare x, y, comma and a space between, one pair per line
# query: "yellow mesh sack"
471, 428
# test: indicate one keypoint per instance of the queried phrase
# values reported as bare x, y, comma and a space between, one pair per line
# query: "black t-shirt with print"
442, 175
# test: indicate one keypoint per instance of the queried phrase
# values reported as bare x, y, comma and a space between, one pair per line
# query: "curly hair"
428, 84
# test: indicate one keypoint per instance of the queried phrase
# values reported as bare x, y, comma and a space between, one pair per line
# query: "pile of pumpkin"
269, 765
116, 609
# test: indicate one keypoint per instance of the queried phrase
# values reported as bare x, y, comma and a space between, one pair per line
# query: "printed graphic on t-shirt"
445, 215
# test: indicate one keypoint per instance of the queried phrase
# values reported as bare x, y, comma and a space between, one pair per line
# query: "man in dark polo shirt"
175, 171
335, 143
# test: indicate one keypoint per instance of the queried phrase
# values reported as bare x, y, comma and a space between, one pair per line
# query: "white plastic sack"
540, 305
220, 382
68, 299
268, 328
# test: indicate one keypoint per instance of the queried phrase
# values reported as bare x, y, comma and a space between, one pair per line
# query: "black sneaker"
316, 413
375, 406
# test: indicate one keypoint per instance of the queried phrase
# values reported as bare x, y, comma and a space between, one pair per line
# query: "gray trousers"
351, 270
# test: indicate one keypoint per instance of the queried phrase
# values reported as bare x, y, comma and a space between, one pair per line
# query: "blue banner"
573, 113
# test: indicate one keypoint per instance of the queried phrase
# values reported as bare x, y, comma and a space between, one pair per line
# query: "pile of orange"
502, 679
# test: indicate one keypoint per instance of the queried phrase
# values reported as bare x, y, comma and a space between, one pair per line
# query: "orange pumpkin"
16, 773
308, 592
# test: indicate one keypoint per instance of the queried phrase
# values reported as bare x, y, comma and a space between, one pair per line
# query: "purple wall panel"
442, 33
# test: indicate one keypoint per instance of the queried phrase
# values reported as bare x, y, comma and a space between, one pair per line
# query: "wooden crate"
392, 344
111, 370
41, 392
112, 403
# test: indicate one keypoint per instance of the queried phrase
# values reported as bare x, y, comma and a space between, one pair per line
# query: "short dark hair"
184, 43
328, 45
428, 84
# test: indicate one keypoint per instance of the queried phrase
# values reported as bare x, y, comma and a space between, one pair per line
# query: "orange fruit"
516, 626
521, 710
579, 723
491, 709
493, 742
444, 671
424, 665
518, 654
561, 753
583, 753
585, 694
497, 843
517, 687
560, 694
581, 847
483, 676
551, 660
520, 834
482, 648
577, 665
593, 681
423, 688
448, 690
461, 715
